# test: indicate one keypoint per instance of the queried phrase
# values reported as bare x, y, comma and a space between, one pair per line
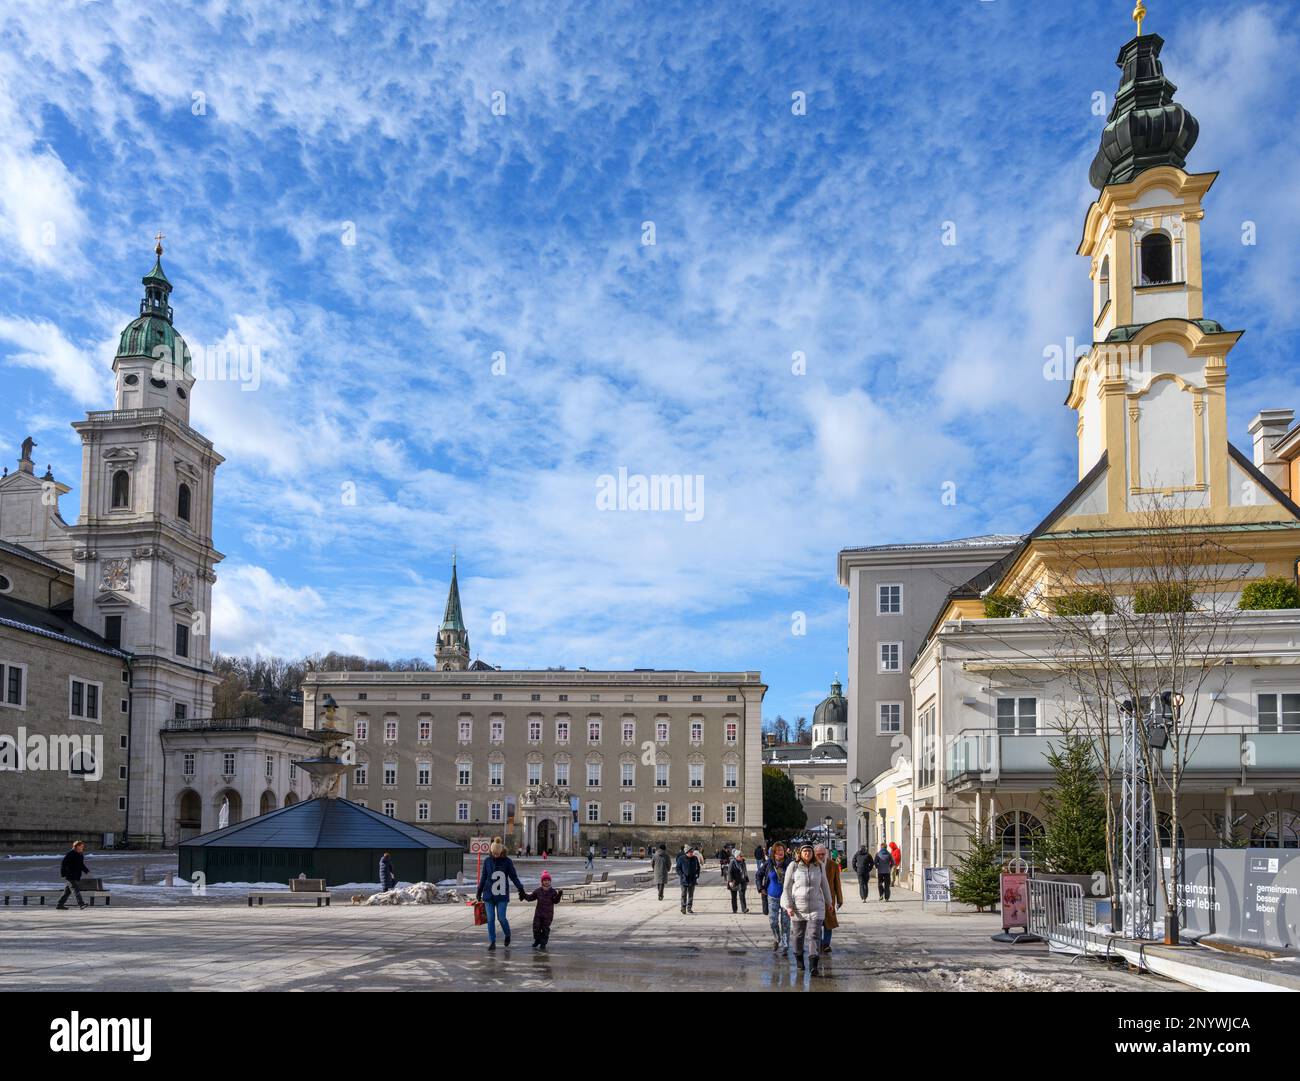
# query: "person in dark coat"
494, 889
738, 881
387, 876
547, 897
760, 872
884, 868
863, 865
688, 873
71, 870
662, 864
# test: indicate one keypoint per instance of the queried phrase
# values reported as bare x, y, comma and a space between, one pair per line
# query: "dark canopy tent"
334, 839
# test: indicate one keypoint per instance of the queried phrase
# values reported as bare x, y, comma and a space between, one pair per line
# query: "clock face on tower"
182, 586
117, 575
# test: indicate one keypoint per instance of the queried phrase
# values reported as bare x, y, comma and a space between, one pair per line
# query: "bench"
588, 889
92, 889
300, 889
643, 878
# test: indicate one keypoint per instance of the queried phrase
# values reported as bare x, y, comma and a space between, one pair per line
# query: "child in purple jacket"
547, 897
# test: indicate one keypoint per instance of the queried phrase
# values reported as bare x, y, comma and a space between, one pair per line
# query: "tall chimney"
1266, 428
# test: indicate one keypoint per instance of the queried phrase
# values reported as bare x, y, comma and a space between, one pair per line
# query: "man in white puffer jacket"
805, 897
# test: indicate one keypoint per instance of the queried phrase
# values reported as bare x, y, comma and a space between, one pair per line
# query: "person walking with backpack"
494, 890
884, 869
688, 874
738, 881
71, 870
806, 897
661, 864
591, 857
863, 865
773, 884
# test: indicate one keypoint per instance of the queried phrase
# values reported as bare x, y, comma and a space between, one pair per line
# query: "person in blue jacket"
387, 876
494, 889
773, 882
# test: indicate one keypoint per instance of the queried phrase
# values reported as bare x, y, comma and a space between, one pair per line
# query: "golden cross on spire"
1139, 13
158, 238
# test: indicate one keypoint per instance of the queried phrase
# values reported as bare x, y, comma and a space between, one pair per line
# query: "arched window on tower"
183, 503
1103, 284
121, 489
1157, 259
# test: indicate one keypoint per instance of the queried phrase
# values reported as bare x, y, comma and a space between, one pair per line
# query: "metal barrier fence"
1056, 913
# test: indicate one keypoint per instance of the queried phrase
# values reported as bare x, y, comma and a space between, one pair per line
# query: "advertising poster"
1015, 902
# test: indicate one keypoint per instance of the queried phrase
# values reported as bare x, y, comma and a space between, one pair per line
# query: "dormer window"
121, 490
1157, 259
183, 503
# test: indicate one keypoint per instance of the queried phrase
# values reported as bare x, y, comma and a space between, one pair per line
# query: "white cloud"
42, 346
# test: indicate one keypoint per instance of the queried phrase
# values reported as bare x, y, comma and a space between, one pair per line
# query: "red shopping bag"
480, 913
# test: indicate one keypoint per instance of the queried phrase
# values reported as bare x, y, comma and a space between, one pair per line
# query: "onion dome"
1146, 127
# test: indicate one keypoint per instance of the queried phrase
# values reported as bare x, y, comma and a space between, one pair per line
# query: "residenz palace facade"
552, 760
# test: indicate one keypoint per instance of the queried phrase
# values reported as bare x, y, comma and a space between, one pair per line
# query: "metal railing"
236, 724
1057, 914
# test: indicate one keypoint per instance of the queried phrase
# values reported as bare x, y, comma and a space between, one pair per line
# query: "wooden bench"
300, 889
92, 889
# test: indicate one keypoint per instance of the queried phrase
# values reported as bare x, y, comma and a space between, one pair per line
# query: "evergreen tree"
975, 880
1075, 838
781, 807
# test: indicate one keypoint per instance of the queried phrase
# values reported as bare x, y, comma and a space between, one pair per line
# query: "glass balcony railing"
987, 754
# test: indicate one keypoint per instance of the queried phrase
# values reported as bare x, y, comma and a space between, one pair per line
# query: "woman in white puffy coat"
805, 897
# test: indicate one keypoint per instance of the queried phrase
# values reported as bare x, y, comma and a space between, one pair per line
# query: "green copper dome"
143, 337
151, 334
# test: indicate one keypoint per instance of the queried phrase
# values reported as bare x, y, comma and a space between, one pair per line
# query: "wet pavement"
629, 941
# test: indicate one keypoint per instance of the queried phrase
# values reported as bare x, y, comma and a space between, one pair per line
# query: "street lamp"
827, 823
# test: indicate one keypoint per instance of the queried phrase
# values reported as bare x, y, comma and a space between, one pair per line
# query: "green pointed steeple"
452, 651
452, 620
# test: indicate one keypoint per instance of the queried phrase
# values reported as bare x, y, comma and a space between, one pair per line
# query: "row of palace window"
85, 696
497, 729
590, 812
121, 495
535, 696
496, 774
228, 762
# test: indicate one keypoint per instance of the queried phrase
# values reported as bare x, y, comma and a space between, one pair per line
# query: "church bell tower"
1150, 394
142, 547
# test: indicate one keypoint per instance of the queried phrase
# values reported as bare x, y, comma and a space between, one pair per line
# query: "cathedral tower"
142, 546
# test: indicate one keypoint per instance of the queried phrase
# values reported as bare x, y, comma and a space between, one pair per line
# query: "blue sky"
381, 199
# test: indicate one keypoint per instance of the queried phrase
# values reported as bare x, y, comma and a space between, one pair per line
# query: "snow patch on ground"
1012, 979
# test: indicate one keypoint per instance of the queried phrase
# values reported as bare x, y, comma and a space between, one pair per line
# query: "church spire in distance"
452, 652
